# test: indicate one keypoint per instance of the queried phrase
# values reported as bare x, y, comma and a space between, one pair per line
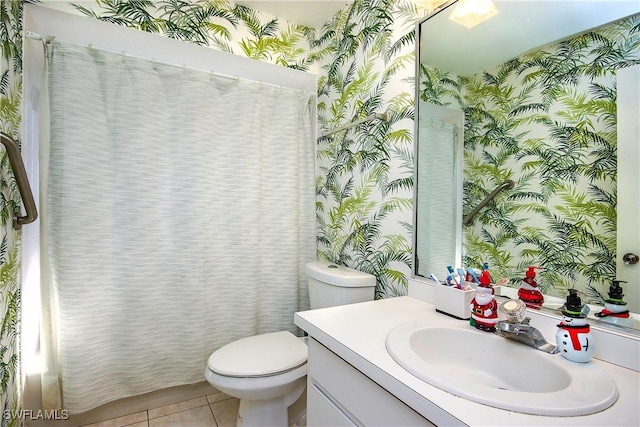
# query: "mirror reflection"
536, 87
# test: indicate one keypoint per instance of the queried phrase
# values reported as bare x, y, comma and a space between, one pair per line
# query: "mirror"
536, 88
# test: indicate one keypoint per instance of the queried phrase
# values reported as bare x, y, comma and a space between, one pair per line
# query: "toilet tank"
331, 285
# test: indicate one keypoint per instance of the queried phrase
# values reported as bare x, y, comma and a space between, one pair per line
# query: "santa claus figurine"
484, 307
529, 292
573, 337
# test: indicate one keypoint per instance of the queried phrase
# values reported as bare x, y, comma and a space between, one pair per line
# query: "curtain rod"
49, 39
36, 36
379, 116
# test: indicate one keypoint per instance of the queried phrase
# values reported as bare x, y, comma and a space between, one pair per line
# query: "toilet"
267, 372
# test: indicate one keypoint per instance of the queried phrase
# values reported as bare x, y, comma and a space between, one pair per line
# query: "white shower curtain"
179, 210
435, 186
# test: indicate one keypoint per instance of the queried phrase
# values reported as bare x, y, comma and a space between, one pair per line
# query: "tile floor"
193, 405
216, 410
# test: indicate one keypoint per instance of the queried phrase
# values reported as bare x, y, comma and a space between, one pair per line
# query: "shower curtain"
435, 187
178, 210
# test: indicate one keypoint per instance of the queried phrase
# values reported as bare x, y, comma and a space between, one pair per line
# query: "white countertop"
357, 334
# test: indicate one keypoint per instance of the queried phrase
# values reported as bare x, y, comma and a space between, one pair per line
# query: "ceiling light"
472, 12
431, 5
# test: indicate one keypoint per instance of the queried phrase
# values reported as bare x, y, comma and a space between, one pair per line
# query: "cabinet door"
321, 411
357, 397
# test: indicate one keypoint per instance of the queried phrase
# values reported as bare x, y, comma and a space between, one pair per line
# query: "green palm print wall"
10, 120
365, 175
365, 60
546, 120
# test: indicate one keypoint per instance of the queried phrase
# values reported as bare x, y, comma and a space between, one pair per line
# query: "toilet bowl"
267, 372
266, 385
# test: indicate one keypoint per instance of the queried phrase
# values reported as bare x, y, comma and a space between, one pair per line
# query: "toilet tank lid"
339, 275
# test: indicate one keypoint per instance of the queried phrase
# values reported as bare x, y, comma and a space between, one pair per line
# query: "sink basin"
498, 372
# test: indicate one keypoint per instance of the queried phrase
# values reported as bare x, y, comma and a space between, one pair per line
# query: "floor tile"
140, 424
126, 420
226, 412
177, 407
217, 397
195, 417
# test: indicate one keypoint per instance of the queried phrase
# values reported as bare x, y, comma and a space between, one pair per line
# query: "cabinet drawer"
321, 411
365, 401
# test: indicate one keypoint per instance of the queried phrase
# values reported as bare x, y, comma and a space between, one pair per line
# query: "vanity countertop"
357, 334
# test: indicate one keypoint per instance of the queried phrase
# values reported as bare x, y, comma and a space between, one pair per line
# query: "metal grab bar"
507, 185
15, 159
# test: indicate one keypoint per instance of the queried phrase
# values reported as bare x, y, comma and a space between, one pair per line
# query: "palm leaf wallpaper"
10, 121
547, 120
365, 173
561, 212
220, 24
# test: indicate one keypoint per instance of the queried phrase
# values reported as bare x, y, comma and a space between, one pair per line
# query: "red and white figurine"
529, 292
573, 337
484, 307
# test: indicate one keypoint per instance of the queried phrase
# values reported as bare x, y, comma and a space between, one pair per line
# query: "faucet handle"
513, 310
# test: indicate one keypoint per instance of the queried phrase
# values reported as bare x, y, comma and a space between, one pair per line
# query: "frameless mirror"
543, 93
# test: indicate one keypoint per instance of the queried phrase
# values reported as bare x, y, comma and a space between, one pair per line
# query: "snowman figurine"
573, 337
615, 309
484, 307
615, 305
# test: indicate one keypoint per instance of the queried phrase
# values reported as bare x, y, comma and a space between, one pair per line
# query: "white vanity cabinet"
340, 395
354, 381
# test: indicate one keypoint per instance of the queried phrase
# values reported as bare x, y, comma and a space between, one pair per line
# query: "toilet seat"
259, 356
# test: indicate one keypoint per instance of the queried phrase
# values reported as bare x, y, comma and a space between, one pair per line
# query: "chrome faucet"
517, 328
